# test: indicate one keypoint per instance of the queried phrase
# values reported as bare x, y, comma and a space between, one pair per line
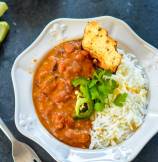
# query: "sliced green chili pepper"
83, 108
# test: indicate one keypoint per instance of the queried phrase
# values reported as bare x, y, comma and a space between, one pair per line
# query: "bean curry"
54, 96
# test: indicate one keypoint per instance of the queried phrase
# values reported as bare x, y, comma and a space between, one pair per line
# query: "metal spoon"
20, 151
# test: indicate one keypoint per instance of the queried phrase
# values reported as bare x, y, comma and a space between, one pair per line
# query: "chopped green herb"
101, 88
120, 99
99, 106
110, 85
93, 91
107, 87
79, 81
99, 73
92, 83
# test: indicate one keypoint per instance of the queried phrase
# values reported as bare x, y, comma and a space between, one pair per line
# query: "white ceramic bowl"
22, 73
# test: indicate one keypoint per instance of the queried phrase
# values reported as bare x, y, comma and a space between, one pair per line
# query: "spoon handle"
7, 132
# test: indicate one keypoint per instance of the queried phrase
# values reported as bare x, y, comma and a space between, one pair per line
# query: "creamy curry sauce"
54, 96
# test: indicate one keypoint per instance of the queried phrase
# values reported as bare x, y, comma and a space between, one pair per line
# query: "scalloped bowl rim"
35, 43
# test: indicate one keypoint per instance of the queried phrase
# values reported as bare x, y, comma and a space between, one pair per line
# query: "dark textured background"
28, 17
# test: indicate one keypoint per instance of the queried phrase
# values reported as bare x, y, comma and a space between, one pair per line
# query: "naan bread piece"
101, 46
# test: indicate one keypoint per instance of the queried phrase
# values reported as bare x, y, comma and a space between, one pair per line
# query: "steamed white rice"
115, 124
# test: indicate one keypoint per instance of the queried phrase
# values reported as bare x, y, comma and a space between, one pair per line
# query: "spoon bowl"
21, 152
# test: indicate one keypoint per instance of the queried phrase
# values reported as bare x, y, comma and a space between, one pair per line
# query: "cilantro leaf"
99, 73
97, 89
94, 93
79, 81
120, 99
107, 86
102, 89
92, 83
110, 85
99, 106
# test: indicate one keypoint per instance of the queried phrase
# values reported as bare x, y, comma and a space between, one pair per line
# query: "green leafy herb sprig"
95, 92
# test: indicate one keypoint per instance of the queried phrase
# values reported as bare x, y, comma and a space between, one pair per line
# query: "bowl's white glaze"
22, 73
